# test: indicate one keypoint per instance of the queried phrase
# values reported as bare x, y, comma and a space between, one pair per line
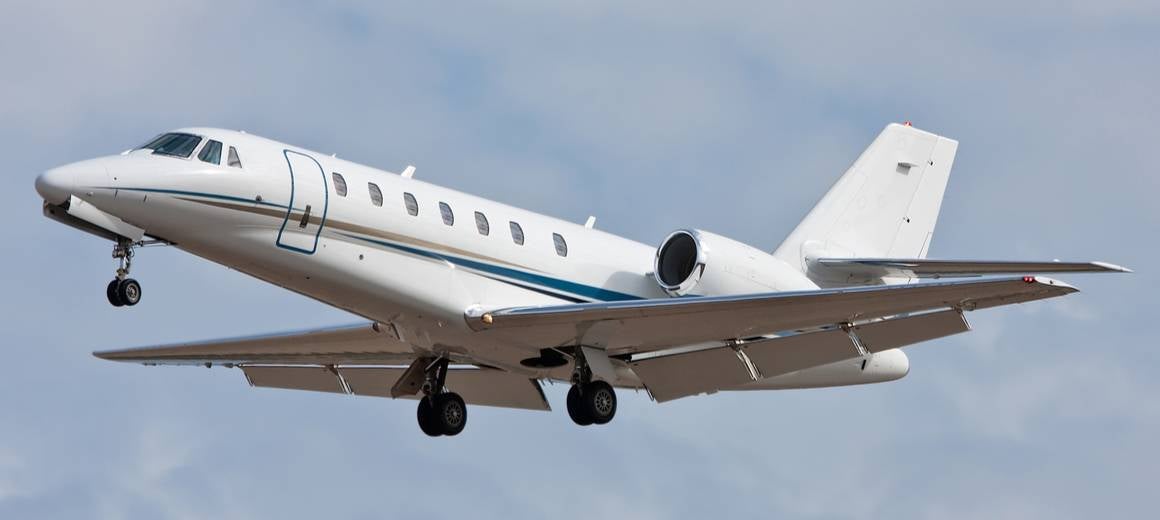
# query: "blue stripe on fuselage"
587, 291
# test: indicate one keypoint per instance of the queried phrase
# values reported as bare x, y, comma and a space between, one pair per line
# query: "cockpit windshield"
173, 144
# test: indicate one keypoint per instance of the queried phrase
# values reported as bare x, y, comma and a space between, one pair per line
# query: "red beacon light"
1029, 279
907, 123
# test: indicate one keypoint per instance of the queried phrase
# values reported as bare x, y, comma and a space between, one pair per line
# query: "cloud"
652, 116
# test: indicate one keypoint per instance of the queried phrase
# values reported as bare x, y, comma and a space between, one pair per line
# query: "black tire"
599, 400
129, 292
112, 293
450, 413
426, 416
576, 409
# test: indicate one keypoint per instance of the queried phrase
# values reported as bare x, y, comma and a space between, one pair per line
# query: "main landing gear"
589, 401
440, 412
123, 290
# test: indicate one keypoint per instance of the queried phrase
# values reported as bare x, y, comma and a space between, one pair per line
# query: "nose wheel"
123, 291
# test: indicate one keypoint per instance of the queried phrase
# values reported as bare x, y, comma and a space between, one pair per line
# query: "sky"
651, 116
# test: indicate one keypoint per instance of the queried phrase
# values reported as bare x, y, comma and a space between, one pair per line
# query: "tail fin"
884, 206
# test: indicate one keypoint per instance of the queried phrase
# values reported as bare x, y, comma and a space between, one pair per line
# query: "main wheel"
112, 293
576, 409
450, 413
426, 416
599, 400
129, 291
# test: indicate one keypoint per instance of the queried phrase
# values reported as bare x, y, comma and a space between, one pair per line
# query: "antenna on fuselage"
591, 222
408, 172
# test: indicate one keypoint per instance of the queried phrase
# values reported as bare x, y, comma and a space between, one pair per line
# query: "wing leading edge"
649, 325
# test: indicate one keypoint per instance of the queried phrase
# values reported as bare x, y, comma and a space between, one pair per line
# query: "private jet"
472, 301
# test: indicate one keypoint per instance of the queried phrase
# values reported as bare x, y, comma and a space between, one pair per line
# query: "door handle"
305, 217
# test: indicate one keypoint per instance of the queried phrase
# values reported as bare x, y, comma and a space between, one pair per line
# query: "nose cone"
56, 185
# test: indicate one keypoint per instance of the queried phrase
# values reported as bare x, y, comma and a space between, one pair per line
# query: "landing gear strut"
123, 290
589, 401
440, 412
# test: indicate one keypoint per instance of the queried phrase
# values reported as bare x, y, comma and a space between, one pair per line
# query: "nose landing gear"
123, 290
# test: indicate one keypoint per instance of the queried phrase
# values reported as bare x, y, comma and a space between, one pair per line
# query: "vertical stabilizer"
884, 206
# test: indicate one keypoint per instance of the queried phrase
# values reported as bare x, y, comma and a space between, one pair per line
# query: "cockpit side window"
233, 159
174, 145
211, 152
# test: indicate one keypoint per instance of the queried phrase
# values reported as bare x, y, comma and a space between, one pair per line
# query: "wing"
874, 268
366, 359
352, 344
649, 325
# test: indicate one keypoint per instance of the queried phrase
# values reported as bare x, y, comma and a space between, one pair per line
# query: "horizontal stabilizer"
855, 270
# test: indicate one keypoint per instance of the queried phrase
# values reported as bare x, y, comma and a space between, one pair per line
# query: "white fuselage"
414, 273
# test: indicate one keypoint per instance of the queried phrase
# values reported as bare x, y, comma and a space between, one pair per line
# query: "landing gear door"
306, 212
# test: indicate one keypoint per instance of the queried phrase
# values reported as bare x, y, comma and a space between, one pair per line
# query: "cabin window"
232, 159
411, 204
211, 152
376, 194
517, 233
174, 145
561, 245
448, 216
481, 224
339, 184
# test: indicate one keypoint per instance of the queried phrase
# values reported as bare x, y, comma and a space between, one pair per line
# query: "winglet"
1113, 267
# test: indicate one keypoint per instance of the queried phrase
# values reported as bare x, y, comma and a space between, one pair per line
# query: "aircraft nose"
56, 185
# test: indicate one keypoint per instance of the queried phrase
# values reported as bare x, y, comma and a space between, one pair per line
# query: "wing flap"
780, 356
484, 387
887, 334
691, 373
669, 377
477, 386
317, 379
651, 325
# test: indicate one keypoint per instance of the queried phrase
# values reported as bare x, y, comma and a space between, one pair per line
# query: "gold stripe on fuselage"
356, 228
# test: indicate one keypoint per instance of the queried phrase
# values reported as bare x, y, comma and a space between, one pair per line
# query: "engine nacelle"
706, 264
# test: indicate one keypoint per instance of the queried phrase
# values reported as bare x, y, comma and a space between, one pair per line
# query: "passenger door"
306, 211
